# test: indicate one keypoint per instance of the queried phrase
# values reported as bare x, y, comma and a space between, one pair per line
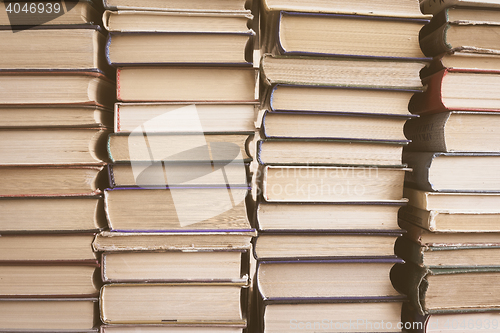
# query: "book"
179, 147
50, 181
303, 217
341, 72
457, 29
69, 280
320, 244
176, 304
78, 47
321, 280
169, 329
332, 184
446, 290
56, 88
468, 322
173, 209
29, 314
50, 214
325, 152
176, 5
435, 6
341, 35
185, 84
407, 8
447, 256
173, 241
450, 221
53, 147
472, 172
284, 125
465, 60
175, 266
428, 238
36, 248
454, 90
139, 174
479, 202
454, 131
143, 48
279, 317
81, 12
175, 21
342, 100
213, 117
55, 116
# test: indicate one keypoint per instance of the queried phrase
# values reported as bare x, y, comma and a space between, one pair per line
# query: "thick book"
55, 116
435, 6
316, 244
47, 248
328, 217
285, 125
176, 304
175, 266
340, 100
406, 8
41, 146
334, 35
174, 241
165, 21
77, 47
50, 214
451, 220
73, 87
180, 5
177, 209
341, 72
447, 256
66, 12
346, 316
159, 328
457, 90
179, 147
49, 314
139, 174
454, 131
67, 279
326, 280
49, 181
166, 48
328, 152
447, 290
472, 172
428, 238
478, 202
332, 184
185, 118
186, 84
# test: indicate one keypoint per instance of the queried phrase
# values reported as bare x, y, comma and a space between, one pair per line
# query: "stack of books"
337, 79
55, 111
176, 256
452, 242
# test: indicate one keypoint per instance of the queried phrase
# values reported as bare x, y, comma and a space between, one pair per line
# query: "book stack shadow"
176, 255
452, 242
336, 81
56, 100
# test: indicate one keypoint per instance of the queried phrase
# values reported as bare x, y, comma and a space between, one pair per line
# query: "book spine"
106, 49
409, 251
427, 132
430, 101
435, 42
422, 218
420, 163
409, 279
